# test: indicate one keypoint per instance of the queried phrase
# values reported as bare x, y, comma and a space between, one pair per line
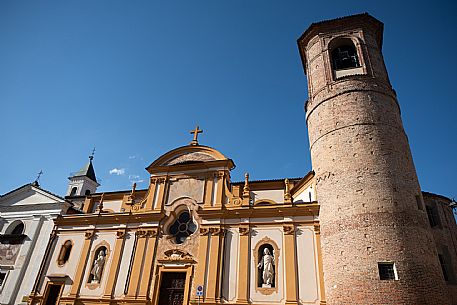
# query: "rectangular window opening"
387, 271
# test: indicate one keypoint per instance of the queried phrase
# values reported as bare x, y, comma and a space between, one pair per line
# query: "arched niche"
17, 227
98, 261
258, 253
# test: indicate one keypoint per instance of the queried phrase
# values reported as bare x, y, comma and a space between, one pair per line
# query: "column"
148, 265
212, 289
290, 270
114, 269
243, 271
317, 232
135, 275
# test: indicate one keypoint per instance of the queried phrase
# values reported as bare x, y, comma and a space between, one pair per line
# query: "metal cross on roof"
196, 131
91, 157
39, 175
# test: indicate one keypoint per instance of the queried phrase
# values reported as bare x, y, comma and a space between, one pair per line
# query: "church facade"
355, 230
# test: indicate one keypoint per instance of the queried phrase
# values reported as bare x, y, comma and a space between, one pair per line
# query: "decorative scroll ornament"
177, 255
89, 234
204, 231
141, 233
243, 230
215, 231
317, 228
151, 233
120, 234
288, 229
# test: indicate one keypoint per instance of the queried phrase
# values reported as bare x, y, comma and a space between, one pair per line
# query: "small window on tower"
387, 271
87, 192
344, 57
73, 191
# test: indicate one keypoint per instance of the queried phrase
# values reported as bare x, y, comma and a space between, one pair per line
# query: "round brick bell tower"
376, 243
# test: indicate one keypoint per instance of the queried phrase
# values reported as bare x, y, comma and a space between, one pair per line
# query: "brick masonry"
366, 179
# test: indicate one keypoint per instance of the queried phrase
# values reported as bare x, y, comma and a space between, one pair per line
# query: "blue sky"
133, 77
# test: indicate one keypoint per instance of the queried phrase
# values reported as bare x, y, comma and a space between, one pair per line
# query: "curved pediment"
186, 155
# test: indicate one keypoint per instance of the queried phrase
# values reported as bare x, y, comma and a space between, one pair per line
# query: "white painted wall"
275, 195
124, 264
307, 266
307, 195
230, 273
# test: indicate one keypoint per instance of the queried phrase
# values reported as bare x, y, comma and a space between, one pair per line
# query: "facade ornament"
120, 234
288, 229
151, 233
287, 196
244, 230
177, 255
246, 189
141, 233
89, 234
215, 231
317, 228
204, 231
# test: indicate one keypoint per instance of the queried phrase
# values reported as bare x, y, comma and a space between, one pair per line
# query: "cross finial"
196, 131
91, 157
37, 180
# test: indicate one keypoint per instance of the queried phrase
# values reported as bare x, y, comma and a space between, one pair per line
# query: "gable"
28, 195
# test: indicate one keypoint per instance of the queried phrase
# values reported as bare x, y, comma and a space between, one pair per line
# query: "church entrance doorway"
172, 288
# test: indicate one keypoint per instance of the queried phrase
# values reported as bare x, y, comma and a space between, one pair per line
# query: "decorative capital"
89, 234
141, 233
216, 231
244, 230
151, 233
288, 229
317, 228
204, 231
120, 234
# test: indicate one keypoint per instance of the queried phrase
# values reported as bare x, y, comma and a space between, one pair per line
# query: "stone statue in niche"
266, 264
97, 269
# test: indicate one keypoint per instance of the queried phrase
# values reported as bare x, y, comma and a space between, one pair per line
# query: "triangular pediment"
28, 195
